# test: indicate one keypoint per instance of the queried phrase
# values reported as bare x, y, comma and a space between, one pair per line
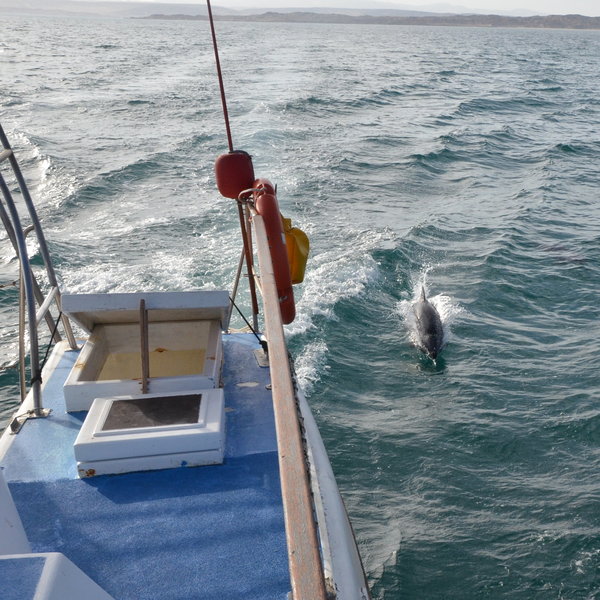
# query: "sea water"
462, 159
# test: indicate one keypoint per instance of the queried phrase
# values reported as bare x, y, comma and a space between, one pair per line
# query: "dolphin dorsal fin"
423, 297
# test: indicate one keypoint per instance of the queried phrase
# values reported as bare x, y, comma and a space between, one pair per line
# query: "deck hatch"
152, 431
153, 412
145, 342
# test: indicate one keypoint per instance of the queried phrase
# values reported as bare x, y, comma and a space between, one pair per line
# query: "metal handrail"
41, 239
30, 291
27, 278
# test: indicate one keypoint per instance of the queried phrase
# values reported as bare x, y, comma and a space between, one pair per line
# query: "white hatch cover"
89, 310
176, 335
151, 431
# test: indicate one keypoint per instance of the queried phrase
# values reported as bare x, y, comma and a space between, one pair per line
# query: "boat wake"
334, 275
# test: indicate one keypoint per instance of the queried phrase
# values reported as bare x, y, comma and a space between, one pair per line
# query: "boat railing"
313, 509
306, 571
34, 305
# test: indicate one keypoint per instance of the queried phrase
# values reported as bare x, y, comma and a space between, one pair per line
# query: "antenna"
220, 76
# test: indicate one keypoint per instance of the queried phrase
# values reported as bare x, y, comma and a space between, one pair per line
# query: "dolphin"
429, 327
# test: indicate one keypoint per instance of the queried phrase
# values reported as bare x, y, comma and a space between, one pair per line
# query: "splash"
310, 364
335, 273
47, 180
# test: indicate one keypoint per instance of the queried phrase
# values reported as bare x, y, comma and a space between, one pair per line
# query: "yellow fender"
298, 247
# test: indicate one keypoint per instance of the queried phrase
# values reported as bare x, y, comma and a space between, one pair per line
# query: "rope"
263, 343
43, 363
10, 284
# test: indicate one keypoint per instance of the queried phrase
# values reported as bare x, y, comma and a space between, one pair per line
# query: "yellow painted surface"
163, 363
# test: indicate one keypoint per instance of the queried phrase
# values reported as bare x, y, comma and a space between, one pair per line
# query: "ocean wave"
491, 107
348, 104
333, 276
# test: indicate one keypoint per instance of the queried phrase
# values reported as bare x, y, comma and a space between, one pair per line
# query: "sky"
590, 8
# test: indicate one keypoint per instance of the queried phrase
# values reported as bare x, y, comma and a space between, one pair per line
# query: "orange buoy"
267, 207
234, 173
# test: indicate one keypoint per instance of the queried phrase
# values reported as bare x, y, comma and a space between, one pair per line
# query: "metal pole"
145, 355
236, 284
40, 235
36, 374
220, 76
22, 376
248, 253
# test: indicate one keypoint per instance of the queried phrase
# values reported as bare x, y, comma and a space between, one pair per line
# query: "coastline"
535, 22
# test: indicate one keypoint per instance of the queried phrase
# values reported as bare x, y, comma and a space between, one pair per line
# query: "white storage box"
184, 343
151, 431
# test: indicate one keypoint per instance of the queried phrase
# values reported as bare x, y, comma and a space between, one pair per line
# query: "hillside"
462, 20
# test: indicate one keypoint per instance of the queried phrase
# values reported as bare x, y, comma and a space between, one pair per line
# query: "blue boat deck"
213, 532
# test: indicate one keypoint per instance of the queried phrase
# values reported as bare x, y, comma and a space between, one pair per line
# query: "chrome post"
40, 234
36, 375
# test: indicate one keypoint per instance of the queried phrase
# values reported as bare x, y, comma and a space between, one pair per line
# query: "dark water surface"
465, 160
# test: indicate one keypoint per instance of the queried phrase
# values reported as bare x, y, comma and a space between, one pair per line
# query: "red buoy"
234, 173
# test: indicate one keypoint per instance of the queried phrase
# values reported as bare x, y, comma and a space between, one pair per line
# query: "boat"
156, 453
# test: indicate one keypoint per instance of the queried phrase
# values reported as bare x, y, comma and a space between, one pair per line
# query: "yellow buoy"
298, 247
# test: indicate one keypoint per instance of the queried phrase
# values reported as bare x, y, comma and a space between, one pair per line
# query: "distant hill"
157, 10
144, 9
101, 8
474, 20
